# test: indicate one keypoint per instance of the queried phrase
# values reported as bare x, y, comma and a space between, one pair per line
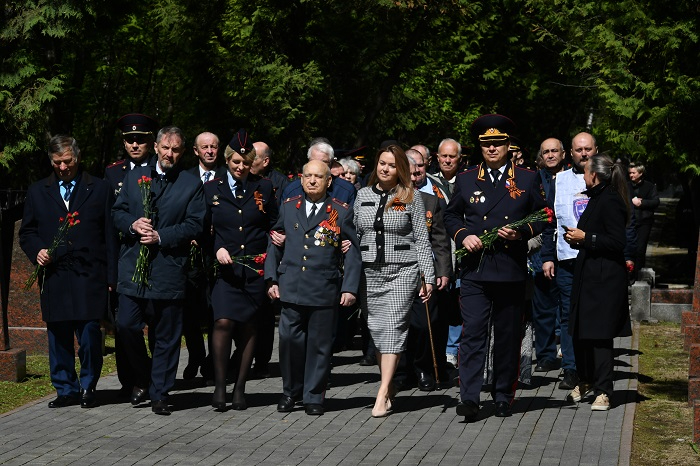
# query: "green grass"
37, 383
663, 423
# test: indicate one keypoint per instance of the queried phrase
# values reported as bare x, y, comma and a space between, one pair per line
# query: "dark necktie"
67, 186
313, 211
495, 174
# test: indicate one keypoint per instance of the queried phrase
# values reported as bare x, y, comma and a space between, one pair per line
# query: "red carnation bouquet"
245, 261
65, 224
142, 270
489, 238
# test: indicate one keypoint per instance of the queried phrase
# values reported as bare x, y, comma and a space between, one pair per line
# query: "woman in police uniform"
240, 211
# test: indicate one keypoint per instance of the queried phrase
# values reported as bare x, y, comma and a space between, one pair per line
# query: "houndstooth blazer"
392, 236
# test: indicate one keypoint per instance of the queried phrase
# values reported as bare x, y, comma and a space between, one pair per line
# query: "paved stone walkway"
544, 428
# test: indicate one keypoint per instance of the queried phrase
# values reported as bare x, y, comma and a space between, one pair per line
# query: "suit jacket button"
242, 246
484, 217
240, 211
306, 235
485, 231
506, 217
303, 258
303, 269
306, 246
240, 228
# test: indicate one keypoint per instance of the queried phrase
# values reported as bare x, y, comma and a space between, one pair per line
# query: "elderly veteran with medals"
312, 277
492, 194
241, 208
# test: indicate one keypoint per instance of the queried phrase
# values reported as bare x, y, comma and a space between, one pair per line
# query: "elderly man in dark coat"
306, 276
176, 203
74, 286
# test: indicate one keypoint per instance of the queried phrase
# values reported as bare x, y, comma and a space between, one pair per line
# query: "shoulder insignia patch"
117, 163
341, 203
294, 198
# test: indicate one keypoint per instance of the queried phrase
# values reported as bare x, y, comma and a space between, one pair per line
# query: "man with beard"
159, 222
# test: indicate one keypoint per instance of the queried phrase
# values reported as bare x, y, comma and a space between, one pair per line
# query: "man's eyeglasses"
553, 151
136, 138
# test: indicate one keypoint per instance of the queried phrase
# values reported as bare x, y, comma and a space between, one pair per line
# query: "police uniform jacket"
310, 268
75, 285
599, 301
439, 241
179, 209
115, 173
240, 225
395, 236
476, 207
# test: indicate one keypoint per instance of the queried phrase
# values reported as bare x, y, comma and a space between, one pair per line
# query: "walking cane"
430, 332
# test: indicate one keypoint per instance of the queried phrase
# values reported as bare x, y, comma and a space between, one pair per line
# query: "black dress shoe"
190, 371
502, 409
286, 404
161, 407
468, 409
426, 382
138, 395
569, 381
313, 409
63, 401
546, 366
88, 398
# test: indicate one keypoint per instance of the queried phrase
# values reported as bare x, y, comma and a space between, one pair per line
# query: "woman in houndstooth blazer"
395, 252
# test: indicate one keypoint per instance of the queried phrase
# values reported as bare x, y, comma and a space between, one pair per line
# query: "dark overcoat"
476, 207
178, 205
599, 301
75, 285
309, 273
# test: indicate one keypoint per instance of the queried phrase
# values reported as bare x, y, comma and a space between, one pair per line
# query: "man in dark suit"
315, 225
176, 204
492, 194
198, 293
339, 189
138, 133
78, 274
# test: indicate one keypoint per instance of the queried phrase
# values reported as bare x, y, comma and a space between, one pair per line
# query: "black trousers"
594, 363
643, 233
195, 314
306, 347
166, 321
503, 302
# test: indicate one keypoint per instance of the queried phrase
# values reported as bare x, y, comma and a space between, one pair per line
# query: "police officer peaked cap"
515, 144
240, 142
493, 127
136, 123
